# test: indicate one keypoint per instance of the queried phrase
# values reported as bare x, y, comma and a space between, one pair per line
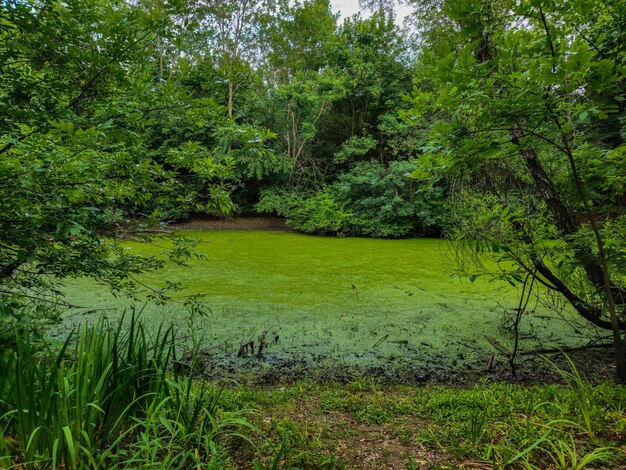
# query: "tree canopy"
522, 104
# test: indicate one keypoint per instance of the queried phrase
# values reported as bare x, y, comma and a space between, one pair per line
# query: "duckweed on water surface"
353, 301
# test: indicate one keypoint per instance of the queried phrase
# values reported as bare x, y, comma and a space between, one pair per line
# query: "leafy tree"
79, 94
383, 6
341, 129
231, 29
299, 39
522, 103
371, 53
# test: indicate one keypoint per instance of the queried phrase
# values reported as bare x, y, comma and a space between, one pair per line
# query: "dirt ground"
239, 223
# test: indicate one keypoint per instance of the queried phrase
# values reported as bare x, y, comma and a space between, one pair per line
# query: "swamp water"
331, 304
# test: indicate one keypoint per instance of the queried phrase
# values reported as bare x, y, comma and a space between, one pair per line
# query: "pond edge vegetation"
111, 397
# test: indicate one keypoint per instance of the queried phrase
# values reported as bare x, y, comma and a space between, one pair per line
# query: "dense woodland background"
500, 125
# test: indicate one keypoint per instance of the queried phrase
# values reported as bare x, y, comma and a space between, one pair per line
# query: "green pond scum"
332, 303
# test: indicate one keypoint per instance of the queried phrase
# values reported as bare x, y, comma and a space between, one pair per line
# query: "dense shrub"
371, 200
386, 202
321, 213
281, 202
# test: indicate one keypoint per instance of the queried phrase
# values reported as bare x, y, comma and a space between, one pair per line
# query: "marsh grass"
573, 440
107, 397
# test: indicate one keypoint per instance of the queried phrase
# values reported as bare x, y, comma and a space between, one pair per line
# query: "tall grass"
107, 397
557, 440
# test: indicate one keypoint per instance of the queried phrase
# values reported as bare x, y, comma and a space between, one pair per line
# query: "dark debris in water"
273, 369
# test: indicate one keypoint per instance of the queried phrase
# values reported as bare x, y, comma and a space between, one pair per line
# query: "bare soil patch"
239, 223
371, 446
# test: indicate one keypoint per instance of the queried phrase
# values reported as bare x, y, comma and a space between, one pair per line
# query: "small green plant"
566, 456
278, 461
477, 425
578, 384
558, 436
364, 384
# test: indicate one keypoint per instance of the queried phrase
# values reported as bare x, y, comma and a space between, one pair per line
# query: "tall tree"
231, 28
299, 39
80, 91
381, 6
524, 101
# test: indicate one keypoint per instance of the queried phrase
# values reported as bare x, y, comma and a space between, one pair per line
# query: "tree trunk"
8, 269
620, 363
568, 224
231, 92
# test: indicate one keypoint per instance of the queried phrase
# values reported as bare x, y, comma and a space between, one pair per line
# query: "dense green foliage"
522, 104
109, 399
499, 124
117, 118
509, 117
370, 199
82, 149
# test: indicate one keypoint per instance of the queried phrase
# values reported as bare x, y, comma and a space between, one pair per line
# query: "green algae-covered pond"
324, 303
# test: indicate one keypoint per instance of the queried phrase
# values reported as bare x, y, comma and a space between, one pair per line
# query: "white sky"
350, 7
